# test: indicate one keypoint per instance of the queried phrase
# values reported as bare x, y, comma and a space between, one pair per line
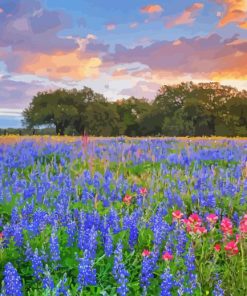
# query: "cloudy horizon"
119, 48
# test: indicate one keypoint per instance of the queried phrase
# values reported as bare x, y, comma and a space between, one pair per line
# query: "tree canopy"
185, 109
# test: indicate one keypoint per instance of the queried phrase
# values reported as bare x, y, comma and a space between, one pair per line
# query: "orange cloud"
152, 8
111, 26
120, 72
73, 65
187, 16
243, 25
235, 11
61, 65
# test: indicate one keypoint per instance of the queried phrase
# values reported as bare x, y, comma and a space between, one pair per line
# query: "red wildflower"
226, 226
146, 253
167, 256
200, 230
217, 247
1, 235
195, 219
188, 224
177, 214
231, 248
212, 218
143, 191
243, 224
127, 199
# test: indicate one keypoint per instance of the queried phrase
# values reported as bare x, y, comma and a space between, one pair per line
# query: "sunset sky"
118, 48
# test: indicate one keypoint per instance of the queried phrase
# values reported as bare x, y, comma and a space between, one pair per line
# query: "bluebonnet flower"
131, 223
61, 288
147, 270
86, 272
18, 235
47, 281
71, 231
37, 265
120, 273
113, 220
146, 273
190, 264
235, 218
180, 283
167, 283
54, 247
108, 242
218, 291
211, 200
14, 216
12, 281
87, 240
181, 241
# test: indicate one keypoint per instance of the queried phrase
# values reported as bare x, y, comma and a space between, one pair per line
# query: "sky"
118, 48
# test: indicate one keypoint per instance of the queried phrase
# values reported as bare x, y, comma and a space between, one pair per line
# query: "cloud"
31, 43
17, 94
200, 57
152, 8
10, 112
120, 72
133, 25
142, 89
95, 46
111, 26
235, 12
187, 16
243, 25
27, 26
77, 64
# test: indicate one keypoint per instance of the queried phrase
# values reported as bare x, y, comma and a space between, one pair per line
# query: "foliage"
123, 217
186, 109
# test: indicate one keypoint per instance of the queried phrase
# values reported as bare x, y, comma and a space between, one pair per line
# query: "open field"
122, 216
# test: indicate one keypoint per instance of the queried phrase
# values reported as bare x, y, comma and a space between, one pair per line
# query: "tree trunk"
60, 129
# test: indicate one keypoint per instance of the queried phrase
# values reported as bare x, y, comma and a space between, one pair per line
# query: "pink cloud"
200, 57
111, 26
17, 94
152, 8
187, 16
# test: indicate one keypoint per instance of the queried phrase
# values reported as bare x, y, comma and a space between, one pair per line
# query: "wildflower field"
120, 216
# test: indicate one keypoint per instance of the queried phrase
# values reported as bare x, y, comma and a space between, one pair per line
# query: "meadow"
122, 216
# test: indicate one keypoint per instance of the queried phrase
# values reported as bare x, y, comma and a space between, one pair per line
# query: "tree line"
185, 109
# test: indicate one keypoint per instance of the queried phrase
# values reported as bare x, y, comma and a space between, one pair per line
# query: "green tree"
130, 112
61, 108
102, 119
51, 108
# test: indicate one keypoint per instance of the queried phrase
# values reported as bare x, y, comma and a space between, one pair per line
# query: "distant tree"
60, 108
236, 117
177, 110
201, 109
150, 122
130, 111
101, 119
51, 108
81, 100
